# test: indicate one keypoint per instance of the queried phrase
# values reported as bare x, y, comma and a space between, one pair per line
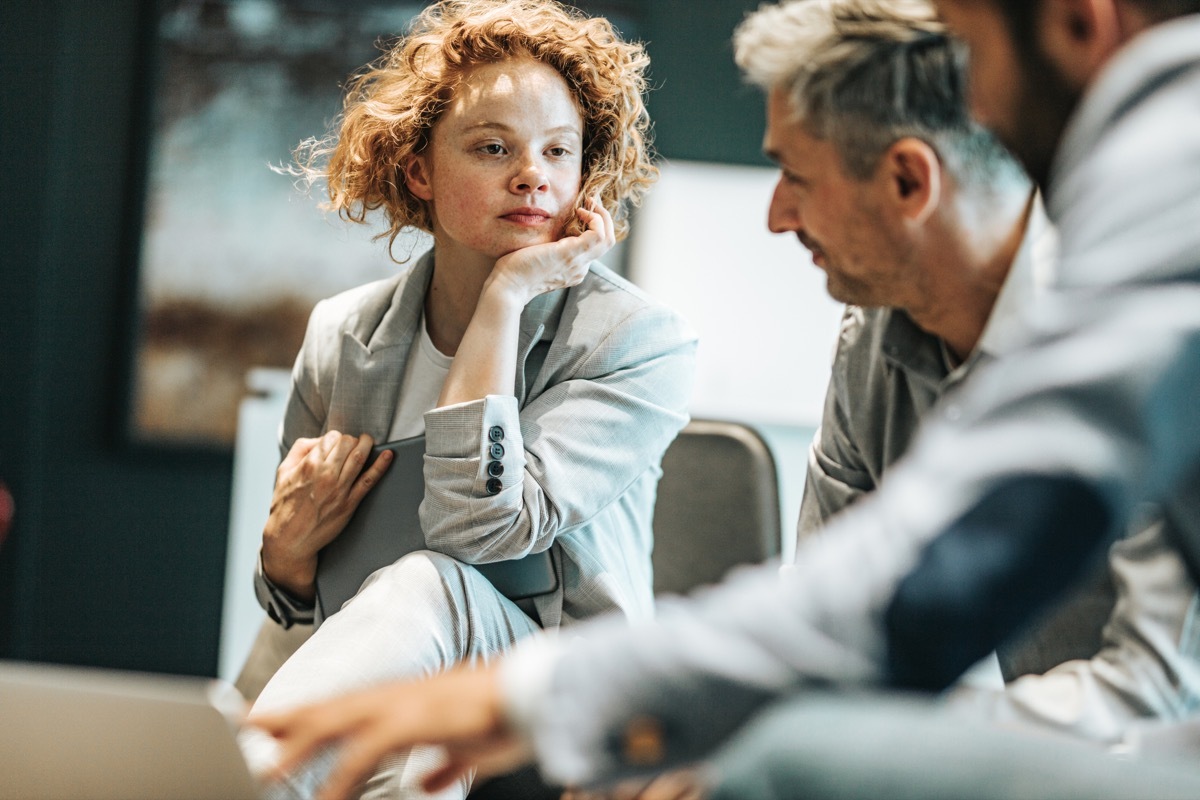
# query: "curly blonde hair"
393, 104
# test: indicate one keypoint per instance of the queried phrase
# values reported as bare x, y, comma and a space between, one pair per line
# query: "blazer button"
496, 450
496, 433
495, 469
494, 486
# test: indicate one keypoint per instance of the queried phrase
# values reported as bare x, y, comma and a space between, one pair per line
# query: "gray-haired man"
925, 225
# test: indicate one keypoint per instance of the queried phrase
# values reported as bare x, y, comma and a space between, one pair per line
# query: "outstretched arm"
460, 710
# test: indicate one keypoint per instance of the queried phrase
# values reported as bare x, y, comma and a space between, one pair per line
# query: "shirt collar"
1013, 317
1015, 314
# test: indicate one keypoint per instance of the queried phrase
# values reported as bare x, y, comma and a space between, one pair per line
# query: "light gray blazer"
602, 385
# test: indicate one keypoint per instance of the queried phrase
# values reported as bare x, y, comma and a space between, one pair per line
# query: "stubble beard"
1044, 106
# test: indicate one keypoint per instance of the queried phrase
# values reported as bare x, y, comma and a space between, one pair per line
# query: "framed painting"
232, 255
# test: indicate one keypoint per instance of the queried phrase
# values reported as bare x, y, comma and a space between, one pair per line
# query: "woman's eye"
558, 152
492, 149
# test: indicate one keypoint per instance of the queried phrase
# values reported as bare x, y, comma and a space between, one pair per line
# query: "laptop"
386, 525
73, 733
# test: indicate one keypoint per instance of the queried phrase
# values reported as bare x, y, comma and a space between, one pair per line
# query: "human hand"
317, 487
459, 710
531, 271
682, 784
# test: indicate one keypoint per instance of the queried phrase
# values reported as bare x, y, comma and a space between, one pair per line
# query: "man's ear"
913, 173
417, 177
1078, 36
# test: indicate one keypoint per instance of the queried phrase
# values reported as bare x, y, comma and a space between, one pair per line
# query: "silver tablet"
387, 525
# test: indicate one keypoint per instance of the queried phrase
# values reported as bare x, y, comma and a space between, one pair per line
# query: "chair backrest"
718, 505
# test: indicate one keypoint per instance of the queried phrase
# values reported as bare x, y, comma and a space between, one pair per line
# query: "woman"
514, 132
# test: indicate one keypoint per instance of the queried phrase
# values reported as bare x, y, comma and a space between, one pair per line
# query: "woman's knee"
421, 572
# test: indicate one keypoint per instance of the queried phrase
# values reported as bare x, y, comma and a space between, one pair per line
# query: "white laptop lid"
69, 733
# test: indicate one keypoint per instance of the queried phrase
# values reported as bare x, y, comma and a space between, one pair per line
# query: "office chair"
718, 507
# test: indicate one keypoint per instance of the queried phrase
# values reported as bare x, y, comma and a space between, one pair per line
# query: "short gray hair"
863, 74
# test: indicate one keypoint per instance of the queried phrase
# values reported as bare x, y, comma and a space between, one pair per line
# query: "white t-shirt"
424, 376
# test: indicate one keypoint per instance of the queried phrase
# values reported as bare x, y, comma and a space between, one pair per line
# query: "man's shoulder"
862, 331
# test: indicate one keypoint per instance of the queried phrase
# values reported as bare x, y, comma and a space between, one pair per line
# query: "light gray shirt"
1107, 394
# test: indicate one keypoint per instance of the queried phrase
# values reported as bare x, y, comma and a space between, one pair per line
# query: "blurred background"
144, 272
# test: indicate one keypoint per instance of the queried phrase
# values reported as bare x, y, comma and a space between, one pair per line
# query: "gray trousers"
821, 747
412, 619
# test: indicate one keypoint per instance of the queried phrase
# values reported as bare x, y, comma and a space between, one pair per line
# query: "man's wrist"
524, 680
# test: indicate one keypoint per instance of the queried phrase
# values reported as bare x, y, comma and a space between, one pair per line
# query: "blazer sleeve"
1147, 670
1124, 424
564, 457
306, 409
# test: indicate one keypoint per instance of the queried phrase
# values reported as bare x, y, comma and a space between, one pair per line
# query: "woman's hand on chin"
541, 268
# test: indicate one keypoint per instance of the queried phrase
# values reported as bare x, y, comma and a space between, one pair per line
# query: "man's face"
841, 220
1015, 90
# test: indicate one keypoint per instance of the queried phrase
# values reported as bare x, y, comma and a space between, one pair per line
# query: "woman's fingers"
338, 447
369, 477
299, 451
354, 458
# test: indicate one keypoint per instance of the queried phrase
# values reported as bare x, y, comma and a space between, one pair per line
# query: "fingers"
576, 253
445, 775
600, 231
370, 476
297, 737
357, 760
300, 450
597, 219
357, 453
336, 447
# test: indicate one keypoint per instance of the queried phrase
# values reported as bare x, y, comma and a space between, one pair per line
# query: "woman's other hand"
317, 487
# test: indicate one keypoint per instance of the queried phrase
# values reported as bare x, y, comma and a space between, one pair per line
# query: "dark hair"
1021, 15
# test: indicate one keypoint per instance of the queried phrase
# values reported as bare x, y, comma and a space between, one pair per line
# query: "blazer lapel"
539, 321
366, 390
374, 353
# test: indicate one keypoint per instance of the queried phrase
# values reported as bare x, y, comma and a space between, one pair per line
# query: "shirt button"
496, 433
494, 486
495, 469
496, 450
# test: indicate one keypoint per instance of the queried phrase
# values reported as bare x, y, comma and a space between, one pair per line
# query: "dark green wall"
116, 558
701, 108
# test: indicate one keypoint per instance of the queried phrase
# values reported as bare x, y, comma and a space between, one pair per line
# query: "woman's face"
504, 164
